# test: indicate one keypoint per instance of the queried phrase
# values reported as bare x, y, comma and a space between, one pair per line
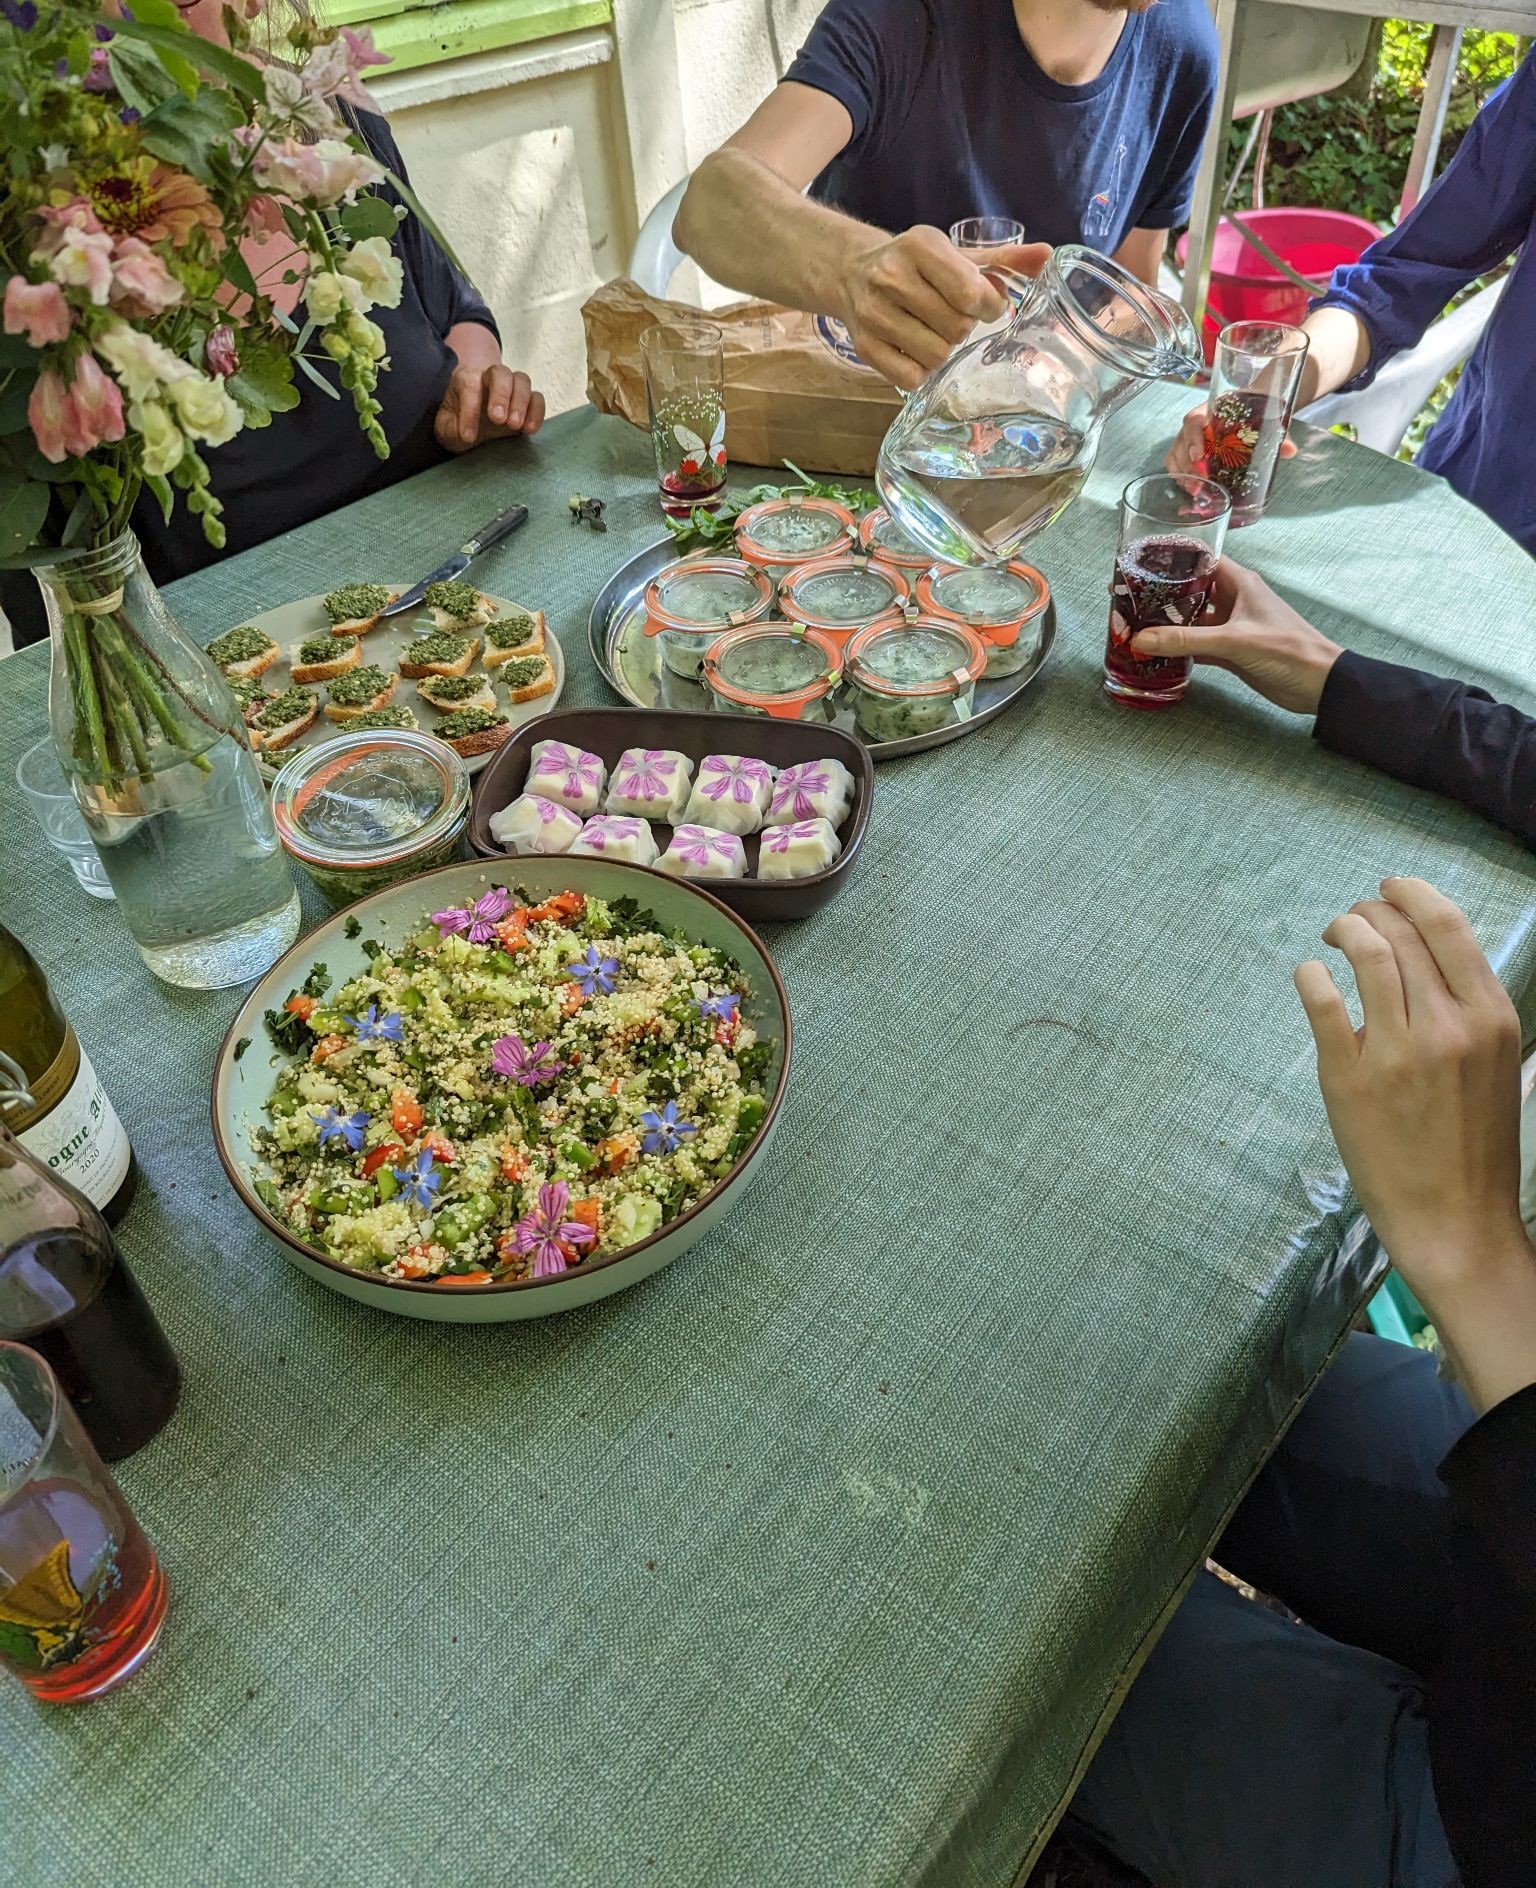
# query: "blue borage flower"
594, 972
349, 1127
420, 1180
723, 1006
665, 1131
371, 1029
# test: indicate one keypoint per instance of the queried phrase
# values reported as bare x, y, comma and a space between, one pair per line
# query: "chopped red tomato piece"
382, 1157
571, 999
588, 1212
514, 1163
405, 1115
327, 1047
441, 1147
302, 1006
562, 905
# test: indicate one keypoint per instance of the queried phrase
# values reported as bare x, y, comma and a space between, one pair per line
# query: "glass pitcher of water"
996, 443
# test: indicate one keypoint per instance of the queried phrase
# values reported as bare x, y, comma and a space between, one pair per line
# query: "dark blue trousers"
1254, 1752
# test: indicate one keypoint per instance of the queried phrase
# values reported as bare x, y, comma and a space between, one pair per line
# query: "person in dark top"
1446, 736
1081, 119
1386, 1738
446, 390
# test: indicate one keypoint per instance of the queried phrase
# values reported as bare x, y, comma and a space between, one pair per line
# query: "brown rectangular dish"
607, 732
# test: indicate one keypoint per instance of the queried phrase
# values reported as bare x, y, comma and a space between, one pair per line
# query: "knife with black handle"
463, 557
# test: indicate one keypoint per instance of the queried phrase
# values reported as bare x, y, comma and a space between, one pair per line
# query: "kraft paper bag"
794, 389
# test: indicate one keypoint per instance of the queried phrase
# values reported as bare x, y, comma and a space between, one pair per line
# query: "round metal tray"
630, 661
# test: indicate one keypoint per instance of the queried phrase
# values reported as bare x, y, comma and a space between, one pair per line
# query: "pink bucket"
1244, 287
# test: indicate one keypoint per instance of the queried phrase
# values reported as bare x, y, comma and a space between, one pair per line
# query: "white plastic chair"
655, 258
1382, 412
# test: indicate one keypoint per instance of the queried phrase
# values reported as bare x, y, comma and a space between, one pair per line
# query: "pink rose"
46, 409
141, 283
84, 260
220, 352
98, 407
36, 309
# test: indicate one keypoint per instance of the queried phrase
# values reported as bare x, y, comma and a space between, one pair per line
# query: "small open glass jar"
1002, 603
783, 532
364, 810
883, 541
694, 601
841, 595
773, 669
913, 679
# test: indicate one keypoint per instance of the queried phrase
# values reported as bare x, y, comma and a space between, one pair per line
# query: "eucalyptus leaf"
23, 507
318, 378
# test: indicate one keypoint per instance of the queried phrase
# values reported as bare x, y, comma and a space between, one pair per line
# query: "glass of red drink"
1172, 526
82, 1596
1254, 381
685, 391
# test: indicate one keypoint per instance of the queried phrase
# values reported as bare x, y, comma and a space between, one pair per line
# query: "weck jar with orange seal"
1003, 603
914, 679
782, 532
696, 600
842, 595
775, 669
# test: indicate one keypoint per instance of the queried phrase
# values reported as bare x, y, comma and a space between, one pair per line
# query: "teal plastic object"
1395, 1313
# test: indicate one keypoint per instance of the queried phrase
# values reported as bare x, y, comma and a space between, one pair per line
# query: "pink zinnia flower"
36, 309
141, 283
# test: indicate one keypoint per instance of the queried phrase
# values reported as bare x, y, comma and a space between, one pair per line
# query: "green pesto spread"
358, 685
522, 670
355, 600
456, 687
239, 645
453, 599
464, 721
437, 648
247, 689
376, 718
510, 631
289, 706
326, 648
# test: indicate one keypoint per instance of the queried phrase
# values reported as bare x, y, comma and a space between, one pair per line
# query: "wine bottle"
67, 1292
68, 1122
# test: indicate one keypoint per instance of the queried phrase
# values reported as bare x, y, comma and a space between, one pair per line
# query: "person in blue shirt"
1479, 213
1080, 119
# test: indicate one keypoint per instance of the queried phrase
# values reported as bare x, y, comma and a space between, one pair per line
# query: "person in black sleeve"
1389, 1741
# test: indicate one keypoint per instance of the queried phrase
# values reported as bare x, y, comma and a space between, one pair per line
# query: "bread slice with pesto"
458, 606
471, 731
356, 607
284, 718
244, 651
519, 633
249, 694
438, 654
358, 692
397, 715
449, 692
323, 658
527, 677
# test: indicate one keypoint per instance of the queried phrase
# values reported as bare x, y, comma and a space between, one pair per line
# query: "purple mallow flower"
513, 1059
480, 920
740, 779
543, 1231
665, 1130
348, 1126
649, 775
594, 972
420, 1180
723, 1006
572, 767
795, 785
370, 1028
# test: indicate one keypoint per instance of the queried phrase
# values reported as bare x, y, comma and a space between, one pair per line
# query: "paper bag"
794, 389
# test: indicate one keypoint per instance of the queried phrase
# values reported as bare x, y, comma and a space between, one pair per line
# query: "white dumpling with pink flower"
569, 776
611, 836
814, 789
703, 852
533, 826
730, 794
798, 850
650, 783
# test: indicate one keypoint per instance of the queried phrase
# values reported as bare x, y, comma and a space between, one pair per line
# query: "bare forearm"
749, 229
1339, 348
1484, 1313
474, 345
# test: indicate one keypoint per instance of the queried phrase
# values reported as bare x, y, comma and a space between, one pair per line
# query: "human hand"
910, 301
487, 402
1187, 453
1256, 636
1424, 1098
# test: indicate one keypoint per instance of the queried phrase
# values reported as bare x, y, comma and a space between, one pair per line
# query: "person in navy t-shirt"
1478, 214
1080, 119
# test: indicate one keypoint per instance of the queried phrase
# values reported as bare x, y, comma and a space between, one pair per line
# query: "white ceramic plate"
295, 622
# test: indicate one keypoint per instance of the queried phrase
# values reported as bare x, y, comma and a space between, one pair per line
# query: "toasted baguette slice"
284, 718
438, 654
528, 678
323, 658
458, 607
359, 693
526, 638
356, 607
471, 731
250, 694
244, 651
452, 692
395, 716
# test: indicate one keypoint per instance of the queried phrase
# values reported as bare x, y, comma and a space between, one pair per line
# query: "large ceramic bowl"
242, 1084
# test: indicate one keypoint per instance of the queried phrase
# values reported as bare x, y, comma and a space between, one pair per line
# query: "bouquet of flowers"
140, 157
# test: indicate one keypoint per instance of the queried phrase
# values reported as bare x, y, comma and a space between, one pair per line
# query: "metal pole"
1205, 211
1439, 77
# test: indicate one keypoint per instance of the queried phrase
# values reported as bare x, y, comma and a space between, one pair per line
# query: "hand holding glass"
1172, 526
1254, 382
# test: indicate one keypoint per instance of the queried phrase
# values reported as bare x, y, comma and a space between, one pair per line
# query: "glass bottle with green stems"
152, 741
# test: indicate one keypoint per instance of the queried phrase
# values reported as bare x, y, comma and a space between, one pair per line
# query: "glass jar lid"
702, 593
923, 657
840, 593
793, 530
880, 536
771, 662
367, 799
988, 596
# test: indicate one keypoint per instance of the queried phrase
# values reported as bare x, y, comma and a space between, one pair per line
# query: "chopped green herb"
372, 948
355, 600
509, 632
714, 527
326, 648
522, 670
358, 685
239, 645
352, 928
289, 706
456, 687
240, 1048
439, 647
454, 599
467, 721
247, 689
383, 718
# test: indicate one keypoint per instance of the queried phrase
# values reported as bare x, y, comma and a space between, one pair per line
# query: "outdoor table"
823, 1557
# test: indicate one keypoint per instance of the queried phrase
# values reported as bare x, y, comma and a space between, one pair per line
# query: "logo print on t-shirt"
1099, 217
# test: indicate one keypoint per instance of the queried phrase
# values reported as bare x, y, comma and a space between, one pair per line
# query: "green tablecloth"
819, 1559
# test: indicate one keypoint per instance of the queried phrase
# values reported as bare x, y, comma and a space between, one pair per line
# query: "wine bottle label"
74, 1129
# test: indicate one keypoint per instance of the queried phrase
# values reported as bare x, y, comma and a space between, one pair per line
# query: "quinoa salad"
516, 1089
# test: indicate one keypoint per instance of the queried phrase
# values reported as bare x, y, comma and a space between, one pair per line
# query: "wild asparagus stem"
144, 691
133, 724
77, 648
170, 681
